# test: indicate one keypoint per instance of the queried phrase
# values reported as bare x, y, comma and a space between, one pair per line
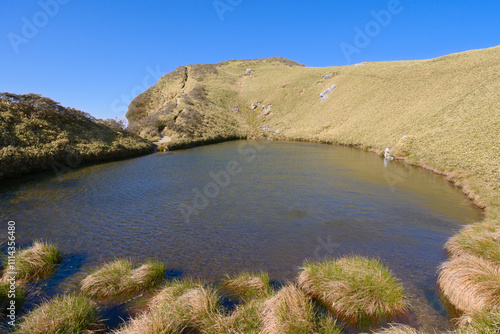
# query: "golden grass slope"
448, 107
442, 114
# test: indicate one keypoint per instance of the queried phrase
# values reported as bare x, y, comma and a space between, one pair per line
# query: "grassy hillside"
442, 114
447, 107
37, 133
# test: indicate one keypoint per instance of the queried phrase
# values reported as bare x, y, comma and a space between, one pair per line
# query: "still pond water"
246, 205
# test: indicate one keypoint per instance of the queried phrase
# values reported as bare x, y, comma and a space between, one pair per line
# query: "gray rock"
265, 127
236, 109
249, 71
324, 95
267, 109
328, 76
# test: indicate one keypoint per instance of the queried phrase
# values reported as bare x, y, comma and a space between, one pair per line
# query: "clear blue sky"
94, 55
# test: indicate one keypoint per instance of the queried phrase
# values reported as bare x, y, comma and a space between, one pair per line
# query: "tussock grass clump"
246, 318
119, 277
35, 262
481, 239
248, 286
68, 314
399, 329
289, 311
328, 325
5, 290
354, 288
177, 307
484, 322
470, 283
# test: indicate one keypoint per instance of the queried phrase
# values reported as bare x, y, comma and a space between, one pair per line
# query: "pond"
246, 206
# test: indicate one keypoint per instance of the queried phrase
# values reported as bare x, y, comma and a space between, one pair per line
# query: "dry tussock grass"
119, 277
36, 261
483, 322
64, 314
289, 311
355, 288
175, 308
480, 239
470, 283
248, 286
399, 329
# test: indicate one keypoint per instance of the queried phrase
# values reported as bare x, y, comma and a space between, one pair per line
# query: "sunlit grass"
399, 329
180, 305
354, 288
119, 277
67, 314
481, 239
470, 283
483, 322
288, 312
34, 262
248, 286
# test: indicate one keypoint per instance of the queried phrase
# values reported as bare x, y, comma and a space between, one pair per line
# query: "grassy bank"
38, 134
441, 114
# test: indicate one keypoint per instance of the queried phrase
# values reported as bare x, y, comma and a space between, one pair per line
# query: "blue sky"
96, 55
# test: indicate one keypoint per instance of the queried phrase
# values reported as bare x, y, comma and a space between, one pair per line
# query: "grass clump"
470, 283
67, 314
35, 262
481, 239
355, 288
399, 329
119, 277
483, 322
181, 305
247, 286
246, 318
17, 292
289, 311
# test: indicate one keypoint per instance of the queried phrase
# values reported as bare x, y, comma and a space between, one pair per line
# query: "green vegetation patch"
35, 262
179, 306
119, 277
248, 286
37, 133
67, 314
481, 239
354, 288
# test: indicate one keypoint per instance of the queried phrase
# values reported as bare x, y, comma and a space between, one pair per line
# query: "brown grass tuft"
177, 307
355, 288
399, 329
36, 261
248, 286
289, 311
64, 314
470, 283
119, 277
484, 322
480, 239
